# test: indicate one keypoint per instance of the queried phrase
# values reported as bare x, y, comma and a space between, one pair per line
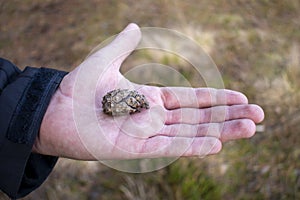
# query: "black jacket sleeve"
24, 97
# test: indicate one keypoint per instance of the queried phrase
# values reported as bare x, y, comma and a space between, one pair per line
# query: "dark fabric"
7, 73
24, 97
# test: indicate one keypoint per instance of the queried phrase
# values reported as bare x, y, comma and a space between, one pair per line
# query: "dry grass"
255, 45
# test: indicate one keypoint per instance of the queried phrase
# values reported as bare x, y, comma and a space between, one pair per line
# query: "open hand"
180, 122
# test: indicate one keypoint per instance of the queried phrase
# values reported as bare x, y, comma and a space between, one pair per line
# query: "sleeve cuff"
23, 104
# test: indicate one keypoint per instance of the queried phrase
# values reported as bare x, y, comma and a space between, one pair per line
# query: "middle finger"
213, 114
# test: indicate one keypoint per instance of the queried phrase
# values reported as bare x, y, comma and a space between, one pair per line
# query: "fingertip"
262, 114
259, 114
243, 98
120, 45
215, 145
132, 26
133, 29
235, 97
248, 128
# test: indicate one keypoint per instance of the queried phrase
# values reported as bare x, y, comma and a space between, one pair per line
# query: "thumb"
113, 54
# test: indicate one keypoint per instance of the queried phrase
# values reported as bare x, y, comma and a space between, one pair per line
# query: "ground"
255, 45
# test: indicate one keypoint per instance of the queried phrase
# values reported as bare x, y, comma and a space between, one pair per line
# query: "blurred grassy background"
255, 45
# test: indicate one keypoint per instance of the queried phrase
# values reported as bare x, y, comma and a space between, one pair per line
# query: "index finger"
181, 97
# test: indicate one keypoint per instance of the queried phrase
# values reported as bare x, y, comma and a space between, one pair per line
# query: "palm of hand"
180, 121
121, 137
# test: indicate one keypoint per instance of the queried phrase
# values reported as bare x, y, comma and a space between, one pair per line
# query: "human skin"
181, 121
